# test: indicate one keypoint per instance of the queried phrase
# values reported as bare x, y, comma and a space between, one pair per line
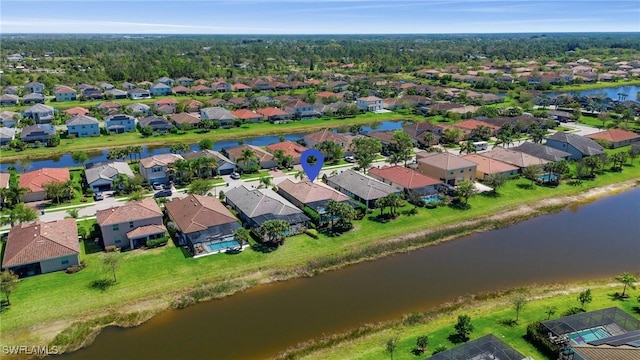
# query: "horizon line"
306, 34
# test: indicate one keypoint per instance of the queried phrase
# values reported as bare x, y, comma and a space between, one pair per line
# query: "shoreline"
73, 335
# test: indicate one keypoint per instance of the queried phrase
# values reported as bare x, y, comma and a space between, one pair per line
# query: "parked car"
98, 196
163, 193
157, 186
349, 159
235, 176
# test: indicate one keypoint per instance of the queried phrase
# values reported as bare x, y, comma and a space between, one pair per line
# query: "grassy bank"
489, 313
598, 85
152, 279
89, 144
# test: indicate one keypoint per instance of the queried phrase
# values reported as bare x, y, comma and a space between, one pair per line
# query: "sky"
318, 16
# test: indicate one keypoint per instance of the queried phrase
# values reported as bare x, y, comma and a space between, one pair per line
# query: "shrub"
312, 232
439, 348
153, 243
315, 217
110, 248
537, 336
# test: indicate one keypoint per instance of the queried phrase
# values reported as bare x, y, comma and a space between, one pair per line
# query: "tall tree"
200, 187
19, 214
8, 283
518, 301
532, 173
58, 190
205, 144
467, 147
13, 194
111, 263
465, 190
627, 280
401, 146
275, 230
585, 297
365, 150
496, 181
179, 148
390, 346
463, 327
80, 157
248, 157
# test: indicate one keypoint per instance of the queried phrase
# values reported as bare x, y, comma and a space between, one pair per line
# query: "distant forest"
117, 58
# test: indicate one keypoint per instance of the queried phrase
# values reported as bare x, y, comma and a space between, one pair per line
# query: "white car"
349, 159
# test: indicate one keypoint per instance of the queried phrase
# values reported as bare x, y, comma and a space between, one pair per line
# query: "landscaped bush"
153, 243
315, 217
537, 335
110, 248
312, 232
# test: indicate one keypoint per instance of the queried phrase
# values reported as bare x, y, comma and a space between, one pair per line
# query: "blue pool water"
431, 198
548, 177
586, 336
222, 245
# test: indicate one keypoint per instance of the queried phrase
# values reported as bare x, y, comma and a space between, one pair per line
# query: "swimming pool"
431, 198
586, 336
222, 246
548, 177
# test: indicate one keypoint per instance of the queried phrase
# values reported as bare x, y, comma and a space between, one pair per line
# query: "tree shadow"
4, 305
101, 284
636, 309
618, 296
490, 194
417, 351
525, 186
458, 205
508, 322
264, 248
335, 231
572, 311
185, 252
457, 339
383, 219
91, 247
575, 182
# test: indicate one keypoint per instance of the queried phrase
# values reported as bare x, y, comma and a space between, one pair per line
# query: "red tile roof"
35, 180
36, 241
166, 102
271, 111
239, 86
488, 165
64, 90
146, 231
77, 111
289, 148
185, 118
405, 177
198, 213
614, 135
4, 180
326, 135
246, 114
327, 94
472, 124
135, 210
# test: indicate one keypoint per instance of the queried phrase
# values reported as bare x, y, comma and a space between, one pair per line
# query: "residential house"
449, 168
338, 85
489, 166
370, 103
239, 87
33, 98
160, 89
116, 94
185, 120
83, 126
38, 247
91, 93
260, 85
100, 176
139, 109
313, 195
184, 81
192, 105
165, 80
106, 86
255, 207
77, 111
361, 187
38, 132
562, 116
41, 114
238, 102
37, 179
320, 136
10, 90
409, 180
265, 160
34, 87
328, 96
138, 93
202, 221
9, 118
290, 148
222, 86
542, 151
220, 114
155, 169
247, 115
418, 131
9, 100
299, 109
616, 137
224, 165
157, 123
469, 127
130, 226
166, 106
15, 57
485, 347
513, 157
273, 114
126, 86
4, 184
385, 137
181, 90
216, 102
65, 93
109, 107
120, 123
578, 146
7, 135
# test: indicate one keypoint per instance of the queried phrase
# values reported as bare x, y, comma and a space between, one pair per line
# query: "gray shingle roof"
264, 205
217, 113
542, 151
107, 171
82, 120
363, 186
38, 108
583, 144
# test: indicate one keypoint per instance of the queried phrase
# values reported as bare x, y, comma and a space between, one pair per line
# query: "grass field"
487, 316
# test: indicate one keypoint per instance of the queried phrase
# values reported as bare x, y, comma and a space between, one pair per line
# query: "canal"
595, 240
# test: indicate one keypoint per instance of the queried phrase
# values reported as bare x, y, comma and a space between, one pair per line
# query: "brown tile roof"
185, 118
166, 102
326, 135
607, 352
201, 88
614, 135
271, 111
77, 111
64, 90
160, 159
246, 114
192, 104
328, 94
135, 210
198, 213
309, 192
236, 152
407, 178
36, 241
445, 161
289, 148
146, 231
514, 157
109, 105
472, 124
488, 165
369, 98
180, 89
383, 136
4, 180
34, 180
239, 86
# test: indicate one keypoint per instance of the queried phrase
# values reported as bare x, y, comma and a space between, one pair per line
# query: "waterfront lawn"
487, 318
158, 274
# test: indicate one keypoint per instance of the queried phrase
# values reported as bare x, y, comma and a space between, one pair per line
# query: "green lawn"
78, 196
159, 273
254, 176
486, 316
598, 85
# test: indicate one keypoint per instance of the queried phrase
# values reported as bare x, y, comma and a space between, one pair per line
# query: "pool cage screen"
615, 321
487, 347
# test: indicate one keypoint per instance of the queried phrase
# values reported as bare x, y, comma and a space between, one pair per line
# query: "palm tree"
121, 183
428, 138
182, 170
19, 214
265, 182
247, 156
13, 194
275, 230
468, 147
627, 280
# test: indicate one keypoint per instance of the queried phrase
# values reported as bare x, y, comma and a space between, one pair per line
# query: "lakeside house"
155, 169
204, 224
33, 98
224, 165
542, 151
9, 118
9, 100
450, 169
7, 135
316, 196
41, 114
290, 148
99, 177
615, 137
361, 187
131, 225
264, 159
120, 123
255, 207
156, 123
36, 180
38, 132
370, 103
83, 126
38, 247
513, 157
65, 93
488, 166
485, 347
409, 180
578, 146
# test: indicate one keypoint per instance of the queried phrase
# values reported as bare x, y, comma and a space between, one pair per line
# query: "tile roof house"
513, 157
406, 179
291, 148
181, 90
9, 118
449, 168
220, 114
489, 166
41, 114
65, 93
542, 151
132, 224
4, 184
200, 220
155, 168
469, 126
34, 87
184, 81
192, 105
41, 247
247, 115
165, 80
361, 187
166, 106
418, 131
139, 109
370, 103
7, 135
255, 207
9, 100
76, 111
616, 137
160, 89
35, 181
314, 195
100, 176
185, 119
33, 98
116, 94
265, 159
157, 123
120, 123
138, 93
321, 136
110, 107
241, 87
578, 146
300, 110
225, 165
38, 132
83, 126
273, 114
